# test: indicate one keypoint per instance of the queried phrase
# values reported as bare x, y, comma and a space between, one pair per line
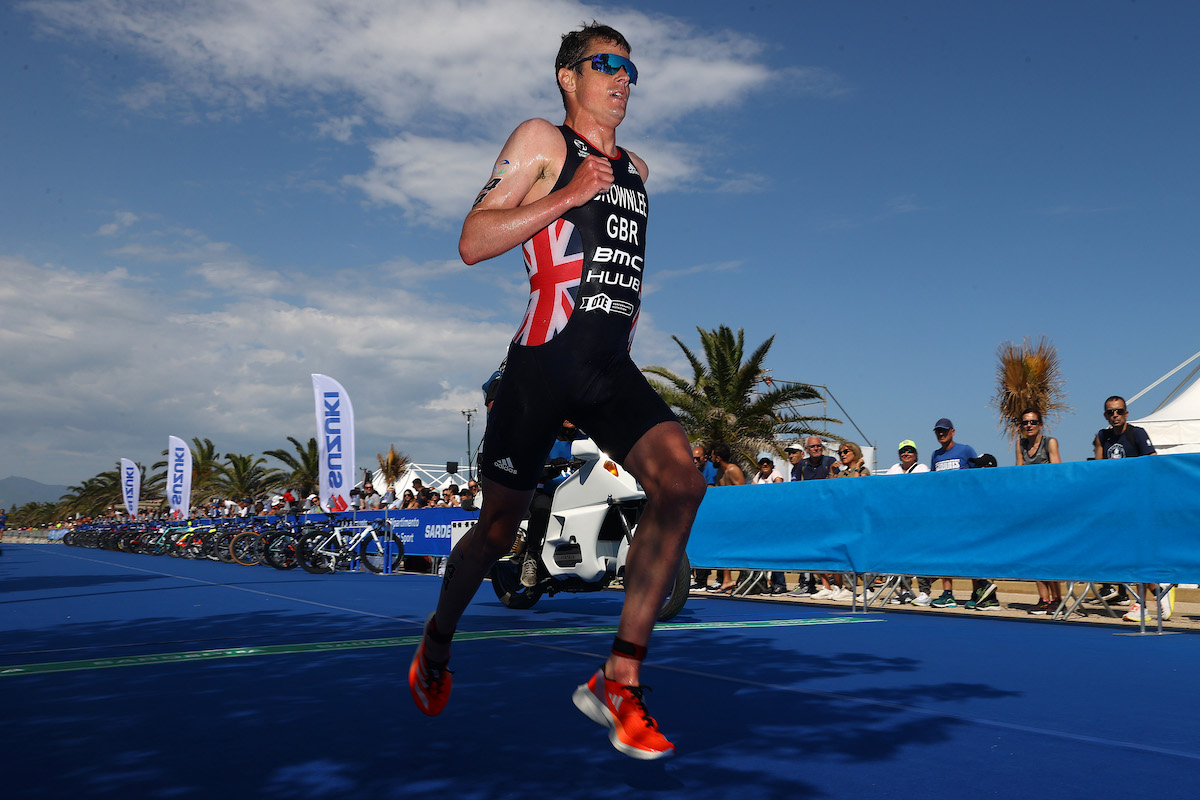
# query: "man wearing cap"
768, 474
908, 462
910, 465
950, 454
954, 455
795, 457
795, 454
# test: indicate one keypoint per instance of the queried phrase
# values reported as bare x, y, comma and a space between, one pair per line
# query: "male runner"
576, 204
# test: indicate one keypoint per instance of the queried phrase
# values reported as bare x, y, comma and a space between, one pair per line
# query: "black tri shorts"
606, 396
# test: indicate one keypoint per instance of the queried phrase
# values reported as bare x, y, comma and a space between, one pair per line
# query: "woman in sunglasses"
853, 465
1034, 447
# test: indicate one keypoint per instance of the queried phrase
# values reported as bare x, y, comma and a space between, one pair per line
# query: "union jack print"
554, 261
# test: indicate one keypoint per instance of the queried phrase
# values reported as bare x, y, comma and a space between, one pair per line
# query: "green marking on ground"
392, 641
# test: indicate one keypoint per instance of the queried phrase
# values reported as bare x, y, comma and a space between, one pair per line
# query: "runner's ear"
566, 79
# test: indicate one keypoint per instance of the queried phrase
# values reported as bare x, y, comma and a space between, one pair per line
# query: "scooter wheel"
506, 581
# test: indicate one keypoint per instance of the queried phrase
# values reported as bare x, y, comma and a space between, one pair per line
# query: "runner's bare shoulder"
529, 164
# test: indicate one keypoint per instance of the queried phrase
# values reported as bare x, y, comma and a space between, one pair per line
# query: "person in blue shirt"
950, 454
955, 455
704, 464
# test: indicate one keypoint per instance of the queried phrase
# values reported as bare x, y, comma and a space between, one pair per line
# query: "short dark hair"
1030, 411
575, 45
1116, 397
723, 452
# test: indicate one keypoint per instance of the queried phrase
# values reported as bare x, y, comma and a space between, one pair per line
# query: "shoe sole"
585, 700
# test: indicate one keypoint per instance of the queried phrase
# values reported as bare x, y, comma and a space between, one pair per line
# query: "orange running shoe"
428, 680
622, 710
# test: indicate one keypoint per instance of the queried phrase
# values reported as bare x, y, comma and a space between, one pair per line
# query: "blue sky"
204, 203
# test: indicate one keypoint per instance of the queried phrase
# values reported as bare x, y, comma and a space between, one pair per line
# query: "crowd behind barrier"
1116, 521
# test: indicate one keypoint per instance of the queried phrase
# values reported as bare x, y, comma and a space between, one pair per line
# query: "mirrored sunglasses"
610, 64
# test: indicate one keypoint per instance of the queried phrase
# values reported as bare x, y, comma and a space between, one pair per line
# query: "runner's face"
606, 95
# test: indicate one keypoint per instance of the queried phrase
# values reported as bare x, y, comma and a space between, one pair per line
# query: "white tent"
1175, 428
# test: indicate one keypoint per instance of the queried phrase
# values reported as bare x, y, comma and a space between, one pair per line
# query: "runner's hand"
593, 176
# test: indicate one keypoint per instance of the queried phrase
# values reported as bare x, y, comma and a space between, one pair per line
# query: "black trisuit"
570, 357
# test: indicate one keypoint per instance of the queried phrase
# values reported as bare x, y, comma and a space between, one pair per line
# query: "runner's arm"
517, 202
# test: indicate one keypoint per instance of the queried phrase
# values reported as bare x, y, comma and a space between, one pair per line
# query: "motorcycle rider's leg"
535, 535
662, 462
489, 539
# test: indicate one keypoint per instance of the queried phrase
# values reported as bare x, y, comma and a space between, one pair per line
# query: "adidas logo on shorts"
507, 465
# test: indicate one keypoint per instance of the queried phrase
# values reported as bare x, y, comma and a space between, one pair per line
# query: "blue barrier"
424, 532
1134, 519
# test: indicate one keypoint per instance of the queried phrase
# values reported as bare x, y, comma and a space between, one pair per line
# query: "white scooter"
593, 516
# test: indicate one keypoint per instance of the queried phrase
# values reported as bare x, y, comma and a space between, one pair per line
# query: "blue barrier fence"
424, 532
1135, 519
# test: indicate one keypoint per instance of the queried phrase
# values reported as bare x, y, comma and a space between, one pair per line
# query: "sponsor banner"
179, 478
424, 532
335, 440
131, 486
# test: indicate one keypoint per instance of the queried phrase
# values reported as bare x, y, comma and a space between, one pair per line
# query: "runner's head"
576, 46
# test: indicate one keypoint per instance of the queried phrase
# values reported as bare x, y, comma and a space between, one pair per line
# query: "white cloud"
121, 221
429, 178
89, 355
340, 129
443, 81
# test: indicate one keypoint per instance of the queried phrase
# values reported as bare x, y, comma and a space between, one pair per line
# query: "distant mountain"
19, 491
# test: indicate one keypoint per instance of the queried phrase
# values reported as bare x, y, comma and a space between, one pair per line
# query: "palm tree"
722, 402
34, 515
94, 496
245, 476
303, 467
392, 465
1028, 376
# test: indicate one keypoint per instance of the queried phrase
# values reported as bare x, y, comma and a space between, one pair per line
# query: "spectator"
952, 455
767, 474
1034, 447
407, 499
701, 459
1122, 440
909, 464
853, 463
795, 454
709, 471
369, 499
853, 466
728, 474
818, 466
466, 500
